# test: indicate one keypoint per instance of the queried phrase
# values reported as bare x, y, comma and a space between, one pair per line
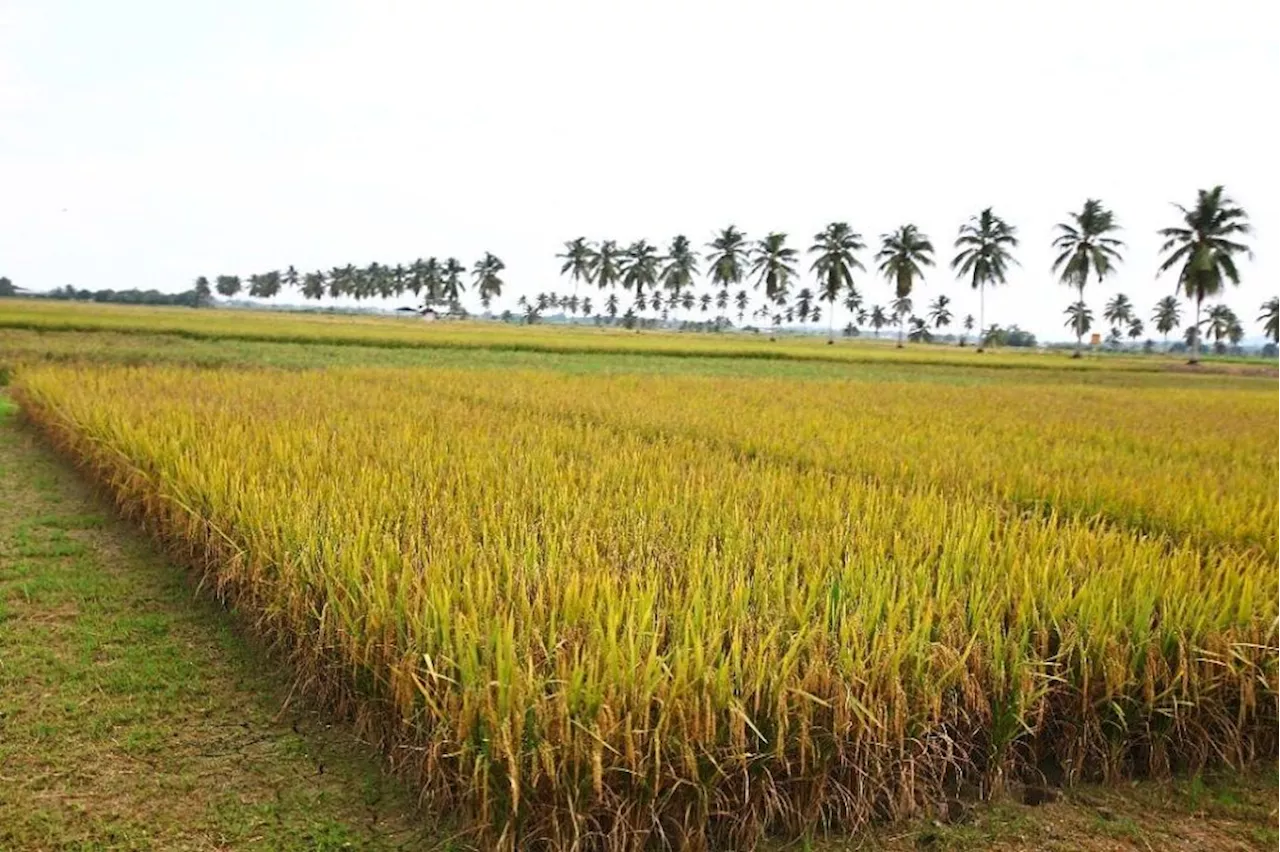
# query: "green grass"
134, 716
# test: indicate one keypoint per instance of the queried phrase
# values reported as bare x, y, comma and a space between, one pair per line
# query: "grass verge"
133, 716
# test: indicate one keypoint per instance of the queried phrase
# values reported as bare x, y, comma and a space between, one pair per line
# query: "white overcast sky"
144, 143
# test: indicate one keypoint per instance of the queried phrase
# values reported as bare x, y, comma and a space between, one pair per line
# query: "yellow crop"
388, 332
608, 610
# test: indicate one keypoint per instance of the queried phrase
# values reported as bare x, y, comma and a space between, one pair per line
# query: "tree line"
1201, 249
438, 284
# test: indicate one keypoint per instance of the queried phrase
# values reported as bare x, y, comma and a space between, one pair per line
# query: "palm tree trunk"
982, 312
902, 321
1079, 331
831, 322
1195, 335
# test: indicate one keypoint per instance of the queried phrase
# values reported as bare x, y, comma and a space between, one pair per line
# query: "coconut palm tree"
1079, 319
984, 254
611, 306
1203, 248
680, 266
879, 319
727, 260
586, 306
1235, 333
836, 247
804, 304
1167, 317
901, 307
487, 280
451, 286
722, 300
853, 303
773, 263
313, 285
1218, 323
580, 261
1085, 248
638, 267
1118, 311
1135, 328
902, 255
608, 262
227, 285
432, 280
704, 302
291, 277
919, 331
939, 312
1270, 318
740, 302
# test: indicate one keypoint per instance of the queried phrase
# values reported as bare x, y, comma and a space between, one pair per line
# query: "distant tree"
722, 300
292, 278
488, 280
1203, 248
204, 293
1167, 317
773, 263
804, 304
1135, 328
939, 312
580, 261
704, 302
611, 305
451, 286
879, 319
740, 301
1235, 332
7, 287
727, 261
901, 306
228, 285
608, 261
836, 247
679, 266
586, 306
919, 331
1270, 319
853, 304
902, 255
1218, 323
313, 285
984, 254
1079, 319
639, 267
1118, 311
1086, 248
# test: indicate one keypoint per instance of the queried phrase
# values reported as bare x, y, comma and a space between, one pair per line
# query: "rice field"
412, 334
595, 610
